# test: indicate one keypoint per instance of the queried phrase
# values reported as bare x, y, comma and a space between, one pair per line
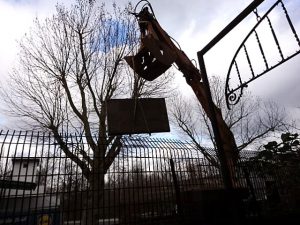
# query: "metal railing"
151, 181
242, 76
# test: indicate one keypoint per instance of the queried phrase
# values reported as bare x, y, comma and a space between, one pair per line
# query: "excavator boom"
156, 54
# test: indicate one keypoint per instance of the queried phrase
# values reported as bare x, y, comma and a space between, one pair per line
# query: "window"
25, 165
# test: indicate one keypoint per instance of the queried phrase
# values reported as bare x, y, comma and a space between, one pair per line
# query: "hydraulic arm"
156, 55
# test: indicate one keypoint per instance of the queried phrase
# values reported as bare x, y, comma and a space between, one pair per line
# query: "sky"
193, 24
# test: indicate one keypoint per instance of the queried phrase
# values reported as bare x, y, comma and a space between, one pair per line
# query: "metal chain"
258, 18
137, 103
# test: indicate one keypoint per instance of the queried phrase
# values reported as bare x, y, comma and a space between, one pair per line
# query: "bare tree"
250, 120
70, 66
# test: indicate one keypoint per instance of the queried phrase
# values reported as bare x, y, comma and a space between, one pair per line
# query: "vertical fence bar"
176, 187
166, 171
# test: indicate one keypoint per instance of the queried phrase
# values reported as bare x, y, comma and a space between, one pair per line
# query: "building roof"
11, 184
25, 159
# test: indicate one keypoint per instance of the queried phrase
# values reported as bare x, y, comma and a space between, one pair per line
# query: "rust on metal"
152, 60
150, 26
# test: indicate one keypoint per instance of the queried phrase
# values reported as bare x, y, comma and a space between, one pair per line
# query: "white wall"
25, 171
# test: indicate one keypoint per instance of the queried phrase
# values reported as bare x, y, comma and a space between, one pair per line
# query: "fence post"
176, 187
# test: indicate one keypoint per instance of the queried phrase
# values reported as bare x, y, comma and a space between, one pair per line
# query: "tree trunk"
93, 205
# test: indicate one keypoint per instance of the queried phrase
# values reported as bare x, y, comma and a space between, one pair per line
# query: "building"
23, 199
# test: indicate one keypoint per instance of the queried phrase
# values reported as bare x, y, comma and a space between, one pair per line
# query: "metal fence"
151, 181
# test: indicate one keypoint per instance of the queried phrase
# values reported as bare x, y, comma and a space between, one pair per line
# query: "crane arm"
156, 55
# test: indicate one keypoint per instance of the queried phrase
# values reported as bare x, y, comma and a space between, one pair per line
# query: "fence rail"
151, 181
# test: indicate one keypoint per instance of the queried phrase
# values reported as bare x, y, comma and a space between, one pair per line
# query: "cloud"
280, 82
218, 59
13, 23
16, 18
192, 23
177, 15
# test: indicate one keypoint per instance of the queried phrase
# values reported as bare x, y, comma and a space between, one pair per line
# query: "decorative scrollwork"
233, 95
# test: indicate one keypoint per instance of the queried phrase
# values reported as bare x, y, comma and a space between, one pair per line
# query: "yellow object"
45, 220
